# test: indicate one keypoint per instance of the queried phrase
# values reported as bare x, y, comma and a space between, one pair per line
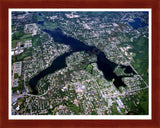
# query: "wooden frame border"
6, 4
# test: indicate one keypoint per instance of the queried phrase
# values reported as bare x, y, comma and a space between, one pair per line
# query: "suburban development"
79, 63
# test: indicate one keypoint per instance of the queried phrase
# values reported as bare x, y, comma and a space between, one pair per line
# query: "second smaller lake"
137, 23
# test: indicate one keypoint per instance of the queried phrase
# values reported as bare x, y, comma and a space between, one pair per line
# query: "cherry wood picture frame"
107, 4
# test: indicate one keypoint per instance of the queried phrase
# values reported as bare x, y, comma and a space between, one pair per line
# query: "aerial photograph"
79, 62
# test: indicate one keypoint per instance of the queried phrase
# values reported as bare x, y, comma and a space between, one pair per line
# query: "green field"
20, 57
140, 56
20, 37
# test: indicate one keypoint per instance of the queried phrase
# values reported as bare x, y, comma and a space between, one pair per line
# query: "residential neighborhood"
79, 63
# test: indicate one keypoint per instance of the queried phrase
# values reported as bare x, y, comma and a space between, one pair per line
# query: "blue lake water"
137, 23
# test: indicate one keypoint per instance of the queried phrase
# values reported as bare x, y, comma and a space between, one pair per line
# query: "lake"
137, 23
104, 65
